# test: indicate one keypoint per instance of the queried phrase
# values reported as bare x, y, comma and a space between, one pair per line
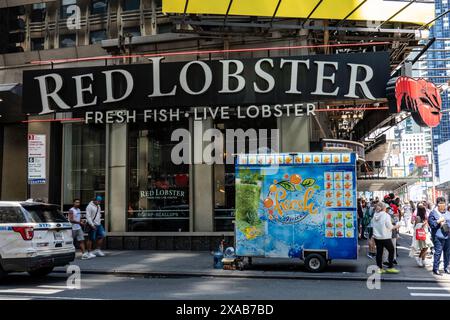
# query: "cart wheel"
315, 262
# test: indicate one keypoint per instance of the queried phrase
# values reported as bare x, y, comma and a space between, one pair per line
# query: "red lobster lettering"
422, 98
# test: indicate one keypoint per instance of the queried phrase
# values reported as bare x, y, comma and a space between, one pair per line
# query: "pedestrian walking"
77, 229
364, 222
95, 229
367, 221
382, 233
408, 209
360, 216
394, 236
421, 241
439, 221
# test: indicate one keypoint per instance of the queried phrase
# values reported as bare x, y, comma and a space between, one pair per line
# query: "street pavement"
198, 264
53, 287
190, 275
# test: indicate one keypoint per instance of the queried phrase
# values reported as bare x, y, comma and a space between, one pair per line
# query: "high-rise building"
437, 64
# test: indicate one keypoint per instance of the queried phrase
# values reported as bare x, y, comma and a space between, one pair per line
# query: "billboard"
290, 203
373, 10
444, 162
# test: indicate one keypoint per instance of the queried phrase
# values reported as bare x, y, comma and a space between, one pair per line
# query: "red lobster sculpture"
422, 98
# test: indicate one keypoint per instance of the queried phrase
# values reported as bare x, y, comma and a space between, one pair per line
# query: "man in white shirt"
77, 230
96, 231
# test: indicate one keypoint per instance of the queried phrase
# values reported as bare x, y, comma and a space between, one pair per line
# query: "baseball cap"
98, 198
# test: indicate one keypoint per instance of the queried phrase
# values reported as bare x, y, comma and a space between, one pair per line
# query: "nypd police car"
34, 238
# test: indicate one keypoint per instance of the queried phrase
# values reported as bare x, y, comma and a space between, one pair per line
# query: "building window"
84, 163
134, 31
65, 11
38, 12
224, 174
97, 36
158, 188
67, 40
128, 5
37, 44
99, 6
165, 28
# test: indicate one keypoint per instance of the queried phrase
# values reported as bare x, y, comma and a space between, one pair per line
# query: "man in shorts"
77, 228
96, 231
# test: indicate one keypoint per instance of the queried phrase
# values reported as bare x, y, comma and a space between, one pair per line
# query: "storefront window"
37, 44
158, 188
97, 36
134, 31
84, 163
128, 5
65, 11
67, 40
224, 174
99, 6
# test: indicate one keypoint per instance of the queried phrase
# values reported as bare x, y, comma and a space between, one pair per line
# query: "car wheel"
315, 262
42, 272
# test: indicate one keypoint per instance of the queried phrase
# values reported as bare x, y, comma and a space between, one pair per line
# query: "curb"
169, 274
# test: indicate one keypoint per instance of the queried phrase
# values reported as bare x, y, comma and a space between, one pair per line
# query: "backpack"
368, 215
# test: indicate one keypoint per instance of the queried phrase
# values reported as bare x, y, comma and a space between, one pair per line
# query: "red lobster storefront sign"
420, 97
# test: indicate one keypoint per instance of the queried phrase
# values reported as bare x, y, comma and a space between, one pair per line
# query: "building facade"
150, 201
437, 69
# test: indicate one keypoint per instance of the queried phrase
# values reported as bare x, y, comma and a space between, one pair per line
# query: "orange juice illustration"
338, 185
346, 158
336, 159
348, 203
330, 234
347, 185
348, 194
329, 203
338, 194
338, 203
329, 194
288, 160
298, 159
307, 159
316, 159
326, 159
280, 159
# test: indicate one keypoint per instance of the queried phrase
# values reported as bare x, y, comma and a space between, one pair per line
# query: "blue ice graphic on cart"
290, 203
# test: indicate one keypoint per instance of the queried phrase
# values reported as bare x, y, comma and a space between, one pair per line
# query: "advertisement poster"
36, 159
288, 203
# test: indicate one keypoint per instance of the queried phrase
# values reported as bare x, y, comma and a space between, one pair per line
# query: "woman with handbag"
421, 239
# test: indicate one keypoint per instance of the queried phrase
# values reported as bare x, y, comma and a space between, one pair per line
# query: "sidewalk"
199, 264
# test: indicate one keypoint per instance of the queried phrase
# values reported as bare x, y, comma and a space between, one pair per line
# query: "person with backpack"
94, 226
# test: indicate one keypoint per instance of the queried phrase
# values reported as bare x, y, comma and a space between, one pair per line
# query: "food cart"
297, 205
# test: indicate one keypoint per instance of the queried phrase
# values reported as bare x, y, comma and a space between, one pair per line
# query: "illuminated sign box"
373, 10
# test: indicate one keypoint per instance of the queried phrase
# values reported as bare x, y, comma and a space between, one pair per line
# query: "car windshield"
42, 214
